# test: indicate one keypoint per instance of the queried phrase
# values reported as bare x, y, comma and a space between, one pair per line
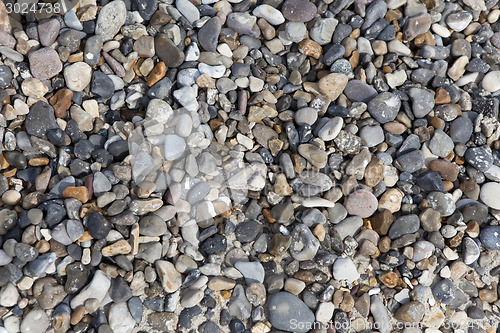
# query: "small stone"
44, 63
110, 19
412, 312
40, 119
78, 76
298, 10
491, 81
416, 25
270, 14
120, 320
35, 321
361, 203
332, 85
304, 245
253, 272
208, 35
479, 158
490, 195
422, 101
98, 226
188, 10
444, 291
404, 225
171, 279
344, 269
80, 193
384, 107
168, 51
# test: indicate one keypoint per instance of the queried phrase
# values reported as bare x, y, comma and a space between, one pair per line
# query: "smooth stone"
174, 147
35, 321
78, 75
298, 10
422, 102
384, 107
188, 10
372, 135
170, 278
286, 309
490, 237
167, 51
441, 144
359, 91
270, 14
491, 81
331, 129
479, 158
490, 194
120, 319
406, 224
444, 291
208, 35
253, 272
110, 19
44, 63
470, 250
361, 203
344, 269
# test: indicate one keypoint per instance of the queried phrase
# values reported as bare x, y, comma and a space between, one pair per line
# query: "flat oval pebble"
298, 10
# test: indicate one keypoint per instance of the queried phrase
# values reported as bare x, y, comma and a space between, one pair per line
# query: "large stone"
111, 18
288, 313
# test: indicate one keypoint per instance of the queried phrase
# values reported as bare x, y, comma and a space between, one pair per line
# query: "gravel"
243, 166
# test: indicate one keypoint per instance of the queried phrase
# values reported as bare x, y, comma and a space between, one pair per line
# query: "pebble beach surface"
244, 166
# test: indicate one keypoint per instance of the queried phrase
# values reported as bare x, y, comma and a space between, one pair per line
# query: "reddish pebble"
361, 203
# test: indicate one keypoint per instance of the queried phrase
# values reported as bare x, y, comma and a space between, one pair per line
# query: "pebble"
344, 269
298, 10
490, 81
489, 195
44, 63
332, 85
286, 311
111, 18
78, 76
361, 203
384, 107
208, 34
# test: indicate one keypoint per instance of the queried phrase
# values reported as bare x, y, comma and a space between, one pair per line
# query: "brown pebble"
374, 172
472, 229
77, 315
470, 188
78, 192
381, 222
445, 169
38, 161
310, 48
488, 294
61, 102
390, 279
384, 244
225, 294
442, 96
395, 128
